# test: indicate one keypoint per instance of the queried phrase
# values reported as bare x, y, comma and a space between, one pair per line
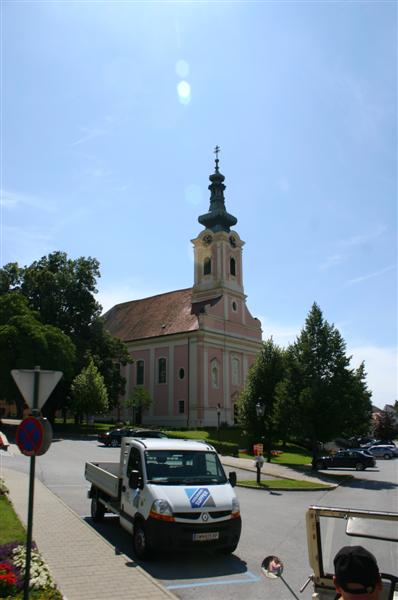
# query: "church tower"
217, 249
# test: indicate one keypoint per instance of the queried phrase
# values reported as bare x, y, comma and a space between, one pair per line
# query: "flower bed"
12, 573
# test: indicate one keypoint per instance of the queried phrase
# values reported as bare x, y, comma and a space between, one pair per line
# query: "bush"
224, 448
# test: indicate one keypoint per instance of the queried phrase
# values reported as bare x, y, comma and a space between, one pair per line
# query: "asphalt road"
273, 523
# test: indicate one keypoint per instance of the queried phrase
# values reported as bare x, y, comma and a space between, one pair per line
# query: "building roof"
164, 314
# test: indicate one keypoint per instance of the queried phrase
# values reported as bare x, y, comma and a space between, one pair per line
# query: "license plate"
204, 537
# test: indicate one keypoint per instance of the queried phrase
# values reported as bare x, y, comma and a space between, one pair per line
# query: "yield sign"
24, 378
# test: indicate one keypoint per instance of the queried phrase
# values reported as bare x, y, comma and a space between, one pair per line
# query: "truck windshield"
172, 467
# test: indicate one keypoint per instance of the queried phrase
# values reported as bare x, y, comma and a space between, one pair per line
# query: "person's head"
357, 575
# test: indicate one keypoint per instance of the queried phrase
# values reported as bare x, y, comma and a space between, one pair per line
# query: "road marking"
250, 578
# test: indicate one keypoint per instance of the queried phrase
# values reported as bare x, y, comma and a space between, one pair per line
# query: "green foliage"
89, 394
139, 400
61, 292
324, 397
26, 342
262, 382
283, 484
11, 529
386, 426
224, 448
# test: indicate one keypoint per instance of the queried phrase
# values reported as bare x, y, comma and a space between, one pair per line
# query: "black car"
114, 438
383, 443
354, 459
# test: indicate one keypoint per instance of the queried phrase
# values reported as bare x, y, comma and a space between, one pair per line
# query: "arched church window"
162, 370
235, 371
215, 375
232, 266
207, 266
140, 372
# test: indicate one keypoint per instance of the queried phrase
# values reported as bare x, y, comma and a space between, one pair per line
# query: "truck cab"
169, 494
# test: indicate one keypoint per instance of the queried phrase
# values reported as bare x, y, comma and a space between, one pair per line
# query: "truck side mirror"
135, 480
232, 478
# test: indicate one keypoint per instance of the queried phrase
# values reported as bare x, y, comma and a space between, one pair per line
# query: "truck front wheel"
141, 547
97, 509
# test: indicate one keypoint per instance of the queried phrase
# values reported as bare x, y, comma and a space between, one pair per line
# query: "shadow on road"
174, 565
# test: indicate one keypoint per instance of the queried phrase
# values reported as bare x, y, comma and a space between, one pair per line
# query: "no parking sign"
34, 436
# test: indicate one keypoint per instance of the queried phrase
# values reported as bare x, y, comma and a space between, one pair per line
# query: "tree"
61, 291
25, 342
263, 379
139, 400
329, 398
89, 394
386, 425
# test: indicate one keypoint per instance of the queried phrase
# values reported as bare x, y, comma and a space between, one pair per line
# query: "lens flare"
182, 68
184, 92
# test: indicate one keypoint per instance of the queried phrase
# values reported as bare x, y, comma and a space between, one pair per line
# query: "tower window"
207, 266
162, 370
181, 407
234, 306
181, 373
140, 372
232, 266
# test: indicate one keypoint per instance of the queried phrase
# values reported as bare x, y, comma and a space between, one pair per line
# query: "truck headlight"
235, 508
161, 510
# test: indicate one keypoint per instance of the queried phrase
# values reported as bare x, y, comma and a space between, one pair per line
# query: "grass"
282, 484
11, 529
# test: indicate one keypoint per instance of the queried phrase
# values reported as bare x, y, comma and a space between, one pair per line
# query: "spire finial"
216, 151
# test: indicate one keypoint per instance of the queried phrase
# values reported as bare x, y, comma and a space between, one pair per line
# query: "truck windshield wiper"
200, 480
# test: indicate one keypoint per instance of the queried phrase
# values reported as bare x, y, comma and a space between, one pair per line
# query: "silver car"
380, 451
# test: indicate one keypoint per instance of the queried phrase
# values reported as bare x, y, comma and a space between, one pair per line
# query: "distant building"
193, 348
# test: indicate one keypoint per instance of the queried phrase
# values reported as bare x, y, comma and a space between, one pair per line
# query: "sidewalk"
272, 470
83, 564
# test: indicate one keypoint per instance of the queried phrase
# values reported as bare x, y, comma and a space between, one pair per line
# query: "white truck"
169, 494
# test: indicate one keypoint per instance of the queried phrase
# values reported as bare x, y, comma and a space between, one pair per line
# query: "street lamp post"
259, 461
218, 421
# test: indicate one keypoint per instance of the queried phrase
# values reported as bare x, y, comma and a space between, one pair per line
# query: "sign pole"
35, 412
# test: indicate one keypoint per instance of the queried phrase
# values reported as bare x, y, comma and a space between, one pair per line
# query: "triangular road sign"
24, 378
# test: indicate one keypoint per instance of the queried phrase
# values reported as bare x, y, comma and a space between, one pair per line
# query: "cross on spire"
216, 151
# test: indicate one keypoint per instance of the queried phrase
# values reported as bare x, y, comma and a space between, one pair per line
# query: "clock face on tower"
232, 241
207, 239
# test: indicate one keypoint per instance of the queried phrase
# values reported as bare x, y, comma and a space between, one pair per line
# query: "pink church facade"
193, 348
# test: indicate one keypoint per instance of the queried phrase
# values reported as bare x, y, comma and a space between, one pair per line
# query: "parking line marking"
251, 578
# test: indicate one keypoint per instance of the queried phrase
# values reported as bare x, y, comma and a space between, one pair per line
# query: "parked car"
354, 459
360, 442
380, 451
384, 443
114, 437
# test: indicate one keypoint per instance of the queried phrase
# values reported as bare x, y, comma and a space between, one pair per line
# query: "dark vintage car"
114, 437
349, 459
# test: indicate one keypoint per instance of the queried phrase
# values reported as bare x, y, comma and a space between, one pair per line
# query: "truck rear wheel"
97, 509
141, 547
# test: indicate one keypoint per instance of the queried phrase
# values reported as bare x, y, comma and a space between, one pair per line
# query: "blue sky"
110, 113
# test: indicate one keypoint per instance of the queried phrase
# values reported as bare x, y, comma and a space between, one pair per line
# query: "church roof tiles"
164, 314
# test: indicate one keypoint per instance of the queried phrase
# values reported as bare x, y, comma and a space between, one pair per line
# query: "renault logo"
205, 516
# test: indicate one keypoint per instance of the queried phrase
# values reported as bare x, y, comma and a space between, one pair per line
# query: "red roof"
164, 314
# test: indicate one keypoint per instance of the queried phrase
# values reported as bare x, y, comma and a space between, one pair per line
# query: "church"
193, 348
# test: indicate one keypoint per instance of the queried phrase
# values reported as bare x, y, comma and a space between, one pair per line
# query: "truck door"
131, 498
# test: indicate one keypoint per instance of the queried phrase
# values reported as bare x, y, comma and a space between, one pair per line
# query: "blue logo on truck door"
199, 497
